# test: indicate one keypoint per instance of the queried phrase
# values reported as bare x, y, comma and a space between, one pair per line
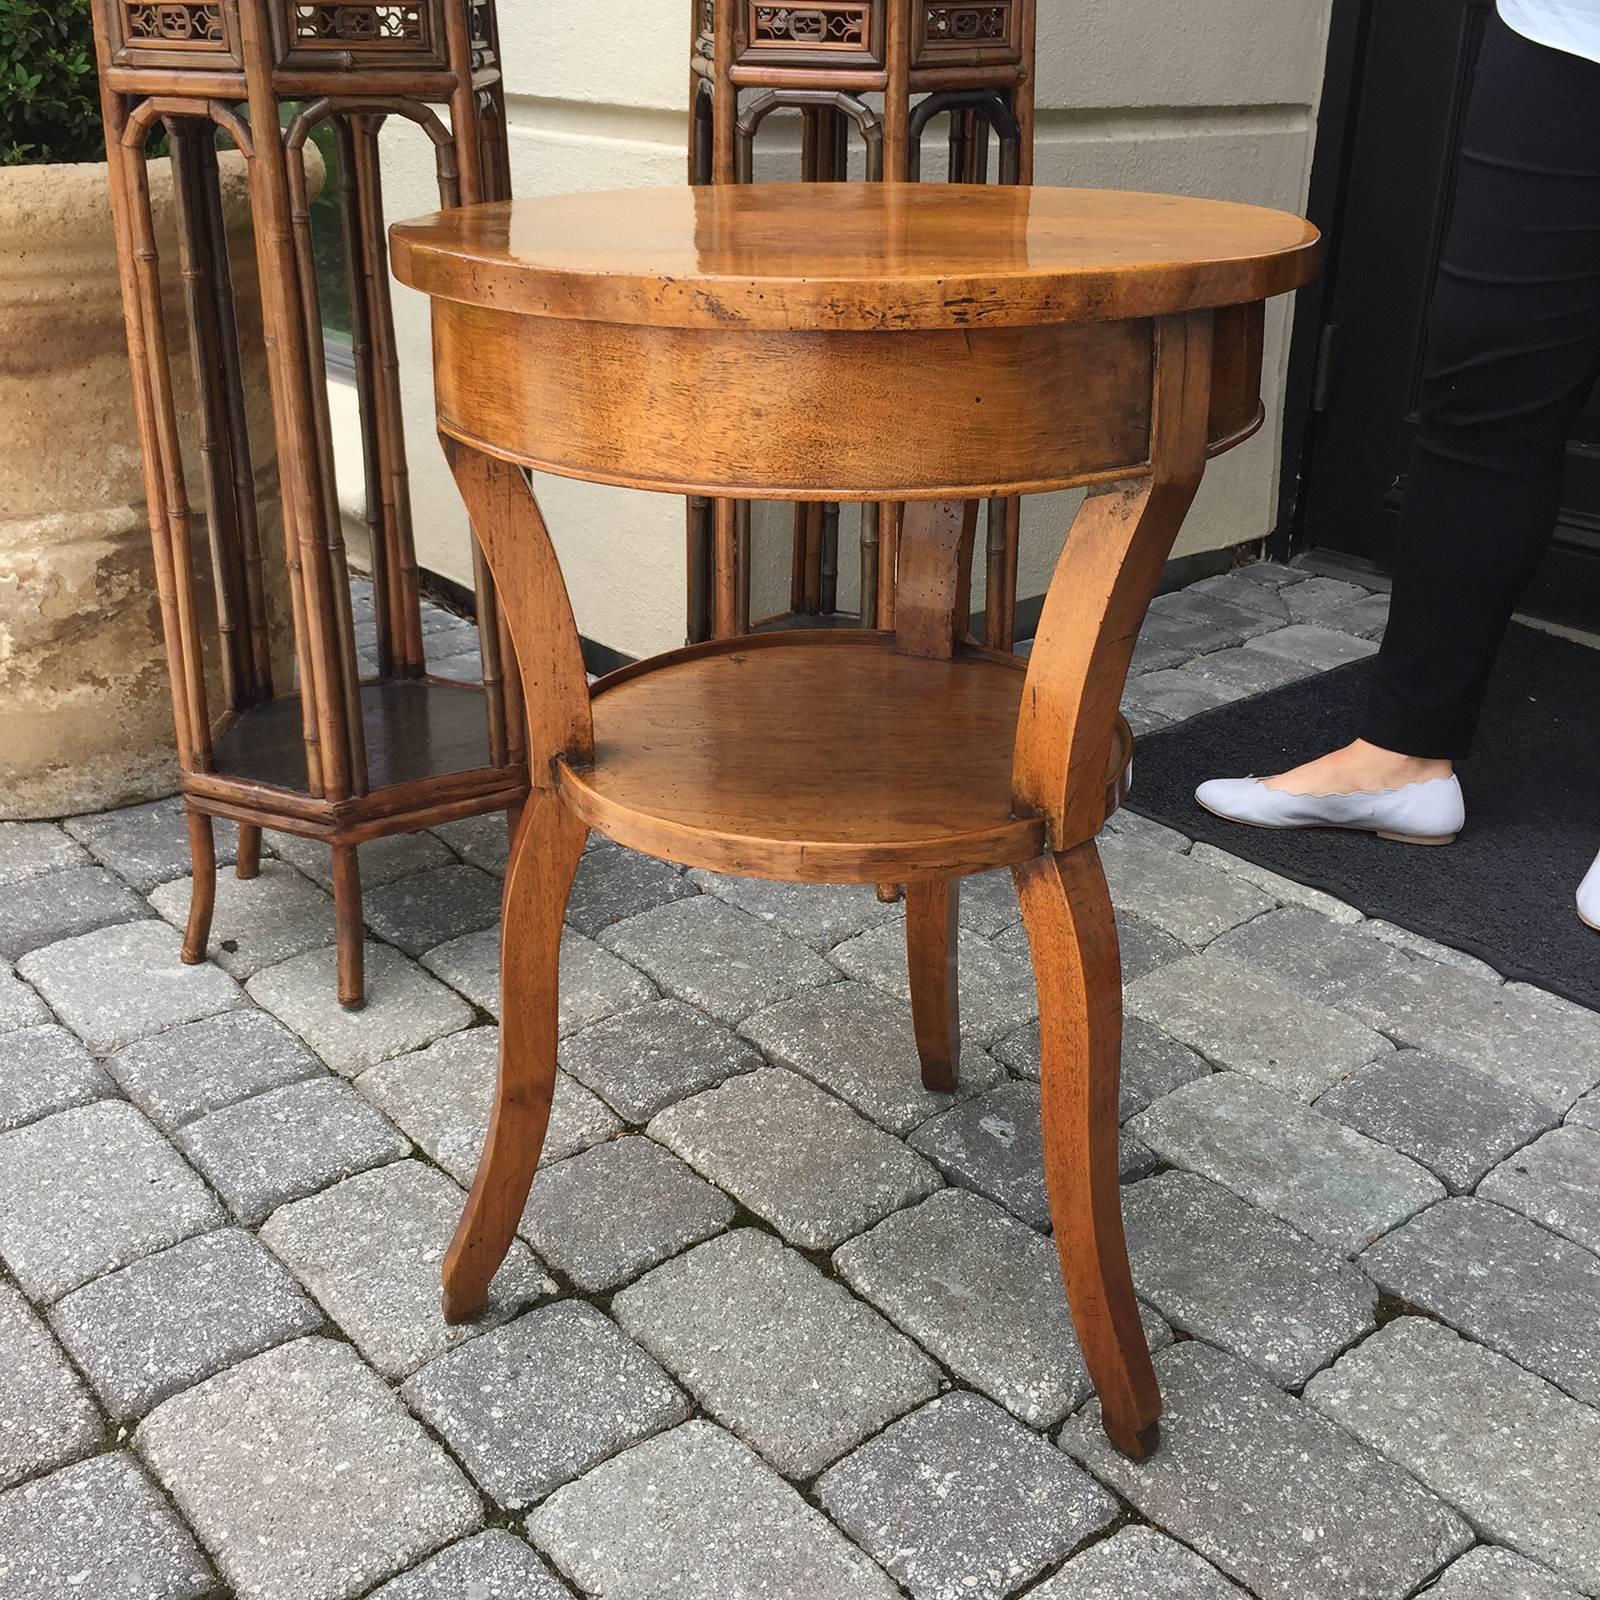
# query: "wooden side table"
1072, 338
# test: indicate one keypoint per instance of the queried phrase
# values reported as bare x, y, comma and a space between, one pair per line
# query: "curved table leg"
544, 861
931, 932
546, 848
1073, 937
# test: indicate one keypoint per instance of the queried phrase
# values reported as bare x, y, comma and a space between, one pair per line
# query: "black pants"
1513, 353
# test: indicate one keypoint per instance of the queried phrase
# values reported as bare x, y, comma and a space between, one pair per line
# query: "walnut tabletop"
831, 342
845, 256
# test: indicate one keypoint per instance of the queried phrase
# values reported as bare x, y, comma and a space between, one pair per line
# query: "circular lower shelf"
815, 758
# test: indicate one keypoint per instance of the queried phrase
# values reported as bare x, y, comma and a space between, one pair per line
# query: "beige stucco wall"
1215, 99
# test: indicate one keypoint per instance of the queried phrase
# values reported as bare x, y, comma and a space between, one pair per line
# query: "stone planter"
85, 708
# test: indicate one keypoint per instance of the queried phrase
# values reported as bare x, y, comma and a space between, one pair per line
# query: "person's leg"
1513, 350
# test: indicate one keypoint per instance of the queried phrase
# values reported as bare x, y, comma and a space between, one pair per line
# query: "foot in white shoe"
1419, 813
1589, 896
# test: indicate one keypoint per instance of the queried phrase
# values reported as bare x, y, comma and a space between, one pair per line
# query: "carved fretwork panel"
172, 32
845, 33
950, 31
371, 33
481, 31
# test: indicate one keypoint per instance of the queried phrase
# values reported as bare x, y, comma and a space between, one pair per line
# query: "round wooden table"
873, 343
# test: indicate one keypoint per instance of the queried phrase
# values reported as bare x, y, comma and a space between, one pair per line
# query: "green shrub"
49, 97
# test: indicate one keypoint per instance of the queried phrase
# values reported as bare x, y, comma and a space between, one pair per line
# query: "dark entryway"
1399, 72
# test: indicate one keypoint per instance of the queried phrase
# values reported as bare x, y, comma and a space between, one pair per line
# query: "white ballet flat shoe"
1420, 813
1589, 897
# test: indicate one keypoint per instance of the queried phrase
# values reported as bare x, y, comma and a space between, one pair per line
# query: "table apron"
809, 415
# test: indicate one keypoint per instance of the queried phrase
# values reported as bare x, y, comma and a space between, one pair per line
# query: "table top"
891, 257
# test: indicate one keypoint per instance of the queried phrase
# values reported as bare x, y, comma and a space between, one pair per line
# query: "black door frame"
1325, 206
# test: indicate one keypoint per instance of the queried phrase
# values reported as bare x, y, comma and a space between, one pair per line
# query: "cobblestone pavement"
780, 1323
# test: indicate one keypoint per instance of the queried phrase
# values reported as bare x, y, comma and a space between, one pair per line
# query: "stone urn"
85, 706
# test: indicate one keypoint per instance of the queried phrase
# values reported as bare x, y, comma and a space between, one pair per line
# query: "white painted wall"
1215, 99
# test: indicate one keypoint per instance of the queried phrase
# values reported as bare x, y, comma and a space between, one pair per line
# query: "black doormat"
1503, 891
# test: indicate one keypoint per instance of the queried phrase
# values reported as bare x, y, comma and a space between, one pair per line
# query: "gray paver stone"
1138, 1564
1556, 1182
1173, 694
259, 922
288, 1142
371, 1250
1284, 890
1218, 622
46, 1415
643, 1060
1429, 949
405, 1008
1319, 648
1586, 1113
858, 1042
430, 908
995, 1145
1516, 1455
1250, 1022
482, 841
31, 849
605, 1216
1367, 617
149, 844
795, 1156
1242, 590
1144, 946
97, 1531
172, 1319
493, 1565
304, 1476
1317, 596
1318, 1175
988, 902
382, 860
1455, 1120
961, 1500
1489, 1573
1130, 825
594, 983
981, 1292
1217, 1268
995, 988
124, 982
1250, 672
1272, 1492
442, 1097
20, 1007
775, 1351
696, 1513
613, 883
89, 1190
535, 1403
46, 1069
74, 902
1153, 1064
1503, 1281
1192, 902
1309, 952
1531, 1040
181, 1074
720, 959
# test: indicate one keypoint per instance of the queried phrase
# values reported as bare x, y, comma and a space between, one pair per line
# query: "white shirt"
1570, 25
